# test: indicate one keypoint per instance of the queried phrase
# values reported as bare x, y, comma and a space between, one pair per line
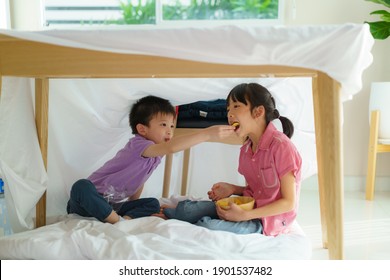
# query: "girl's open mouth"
236, 125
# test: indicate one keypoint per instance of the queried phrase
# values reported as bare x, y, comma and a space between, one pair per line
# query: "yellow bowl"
245, 202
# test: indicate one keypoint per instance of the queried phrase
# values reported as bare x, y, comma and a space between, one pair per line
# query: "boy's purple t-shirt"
126, 172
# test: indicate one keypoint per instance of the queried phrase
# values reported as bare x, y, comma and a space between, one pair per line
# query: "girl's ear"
141, 129
259, 111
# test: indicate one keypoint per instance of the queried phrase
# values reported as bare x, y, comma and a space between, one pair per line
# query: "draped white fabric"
341, 51
88, 124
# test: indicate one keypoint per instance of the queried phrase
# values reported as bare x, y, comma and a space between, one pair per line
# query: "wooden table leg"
184, 177
41, 121
372, 154
327, 114
167, 175
168, 171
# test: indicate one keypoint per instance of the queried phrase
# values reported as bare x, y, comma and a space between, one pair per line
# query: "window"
219, 10
75, 13
80, 12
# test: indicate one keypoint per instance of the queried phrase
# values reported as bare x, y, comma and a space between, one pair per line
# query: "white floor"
366, 225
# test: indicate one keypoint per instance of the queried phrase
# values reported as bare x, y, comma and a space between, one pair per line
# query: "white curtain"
88, 124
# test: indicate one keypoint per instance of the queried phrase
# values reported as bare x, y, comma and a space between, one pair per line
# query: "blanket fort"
334, 57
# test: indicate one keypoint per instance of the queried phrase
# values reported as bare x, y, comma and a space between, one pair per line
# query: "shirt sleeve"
287, 159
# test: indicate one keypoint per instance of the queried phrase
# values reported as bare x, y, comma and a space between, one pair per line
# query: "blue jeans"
87, 202
204, 214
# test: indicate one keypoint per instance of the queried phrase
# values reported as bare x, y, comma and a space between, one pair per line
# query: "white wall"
4, 14
356, 126
26, 14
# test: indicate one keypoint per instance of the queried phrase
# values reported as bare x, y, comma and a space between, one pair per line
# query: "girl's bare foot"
160, 215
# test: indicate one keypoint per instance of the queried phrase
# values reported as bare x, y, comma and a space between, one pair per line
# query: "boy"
112, 193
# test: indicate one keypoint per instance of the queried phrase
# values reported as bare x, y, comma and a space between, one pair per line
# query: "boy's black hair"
146, 108
257, 95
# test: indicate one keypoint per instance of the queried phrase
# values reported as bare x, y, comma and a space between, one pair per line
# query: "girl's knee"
206, 222
153, 204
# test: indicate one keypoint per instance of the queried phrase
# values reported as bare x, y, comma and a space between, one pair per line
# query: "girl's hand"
220, 190
233, 214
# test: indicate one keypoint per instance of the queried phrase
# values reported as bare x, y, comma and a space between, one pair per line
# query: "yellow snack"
223, 204
245, 202
237, 201
235, 124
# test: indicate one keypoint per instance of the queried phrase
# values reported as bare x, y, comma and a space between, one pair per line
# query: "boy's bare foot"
113, 218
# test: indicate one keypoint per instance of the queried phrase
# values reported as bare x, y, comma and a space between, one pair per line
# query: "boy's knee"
81, 187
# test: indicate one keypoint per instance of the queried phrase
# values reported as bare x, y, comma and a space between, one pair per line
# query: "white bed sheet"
148, 238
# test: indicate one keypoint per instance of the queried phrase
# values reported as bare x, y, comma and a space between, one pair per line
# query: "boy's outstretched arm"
212, 134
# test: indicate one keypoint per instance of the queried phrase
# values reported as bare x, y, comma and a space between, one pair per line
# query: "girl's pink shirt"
275, 156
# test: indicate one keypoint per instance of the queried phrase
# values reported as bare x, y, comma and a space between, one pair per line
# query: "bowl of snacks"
245, 202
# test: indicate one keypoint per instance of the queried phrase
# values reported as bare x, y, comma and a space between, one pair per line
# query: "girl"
269, 162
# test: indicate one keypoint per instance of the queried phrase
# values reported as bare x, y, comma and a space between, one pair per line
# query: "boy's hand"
219, 132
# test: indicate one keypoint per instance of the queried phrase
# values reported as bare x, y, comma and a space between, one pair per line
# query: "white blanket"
148, 238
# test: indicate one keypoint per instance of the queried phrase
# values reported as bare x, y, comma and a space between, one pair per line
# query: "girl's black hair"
146, 108
257, 95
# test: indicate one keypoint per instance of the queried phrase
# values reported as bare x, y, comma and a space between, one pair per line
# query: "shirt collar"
266, 138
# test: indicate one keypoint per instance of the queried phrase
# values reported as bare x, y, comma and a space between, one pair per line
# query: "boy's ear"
141, 129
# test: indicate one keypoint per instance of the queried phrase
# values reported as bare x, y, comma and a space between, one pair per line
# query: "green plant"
380, 29
138, 12
143, 11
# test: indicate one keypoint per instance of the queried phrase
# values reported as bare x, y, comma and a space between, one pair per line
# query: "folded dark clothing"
210, 110
199, 123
